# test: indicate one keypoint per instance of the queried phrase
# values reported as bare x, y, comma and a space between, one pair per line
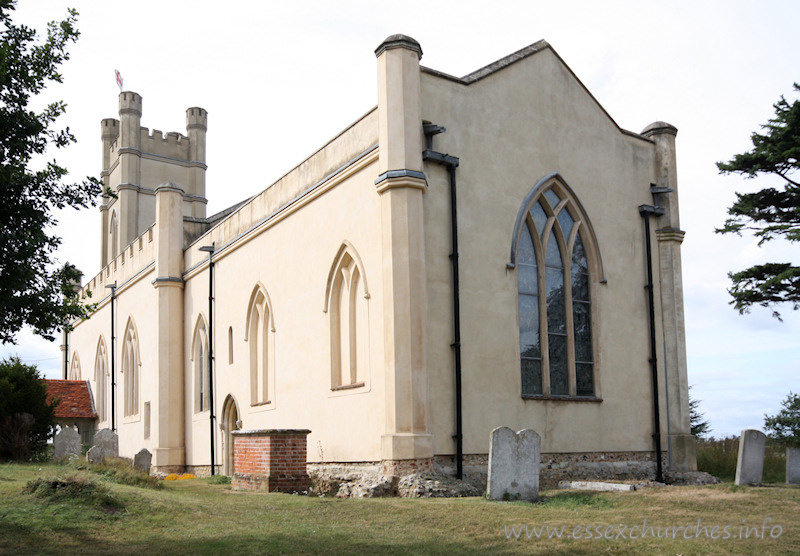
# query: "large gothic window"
260, 335
100, 378
200, 366
130, 369
346, 303
555, 309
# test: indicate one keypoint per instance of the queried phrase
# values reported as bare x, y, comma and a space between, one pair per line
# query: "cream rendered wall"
292, 260
136, 299
509, 130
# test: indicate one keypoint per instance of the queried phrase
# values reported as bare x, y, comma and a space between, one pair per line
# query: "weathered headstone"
142, 459
514, 465
67, 443
750, 463
793, 466
106, 444
95, 455
108, 441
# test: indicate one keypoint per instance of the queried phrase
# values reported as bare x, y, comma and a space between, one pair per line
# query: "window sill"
561, 398
134, 418
260, 404
347, 386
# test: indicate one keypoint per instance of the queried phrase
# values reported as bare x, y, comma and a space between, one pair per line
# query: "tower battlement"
137, 160
109, 129
196, 117
130, 102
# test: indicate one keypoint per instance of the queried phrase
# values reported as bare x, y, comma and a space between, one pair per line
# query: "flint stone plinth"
67, 443
514, 465
142, 460
750, 463
793, 466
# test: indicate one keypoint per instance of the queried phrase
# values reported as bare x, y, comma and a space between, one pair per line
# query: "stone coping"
271, 432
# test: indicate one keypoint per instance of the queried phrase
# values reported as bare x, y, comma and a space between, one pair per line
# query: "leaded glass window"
555, 324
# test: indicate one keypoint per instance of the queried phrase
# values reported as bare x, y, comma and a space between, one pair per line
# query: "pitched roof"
76, 398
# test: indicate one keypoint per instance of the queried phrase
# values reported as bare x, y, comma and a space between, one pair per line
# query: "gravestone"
67, 443
750, 463
95, 455
793, 466
106, 445
142, 459
108, 441
514, 465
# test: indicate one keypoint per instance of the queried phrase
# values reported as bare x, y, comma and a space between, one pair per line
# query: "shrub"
26, 417
718, 457
784, 426
120, 471
72, 489
218, 480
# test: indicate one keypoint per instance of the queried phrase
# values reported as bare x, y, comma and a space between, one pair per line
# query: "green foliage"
699, 427
23, 393
718, 457
769, 213
784, 426
33, 290
218, 480
578, 500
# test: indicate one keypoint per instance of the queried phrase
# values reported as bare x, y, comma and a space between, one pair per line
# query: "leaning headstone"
750, 464
95, 455
793, 466
67, 443
108, 442
142, 459
514, 465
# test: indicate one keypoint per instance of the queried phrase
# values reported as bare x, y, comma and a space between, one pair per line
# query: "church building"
473, 252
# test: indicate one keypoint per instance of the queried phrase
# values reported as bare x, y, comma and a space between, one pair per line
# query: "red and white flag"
119, 79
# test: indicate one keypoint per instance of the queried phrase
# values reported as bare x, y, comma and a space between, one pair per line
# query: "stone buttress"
407, 444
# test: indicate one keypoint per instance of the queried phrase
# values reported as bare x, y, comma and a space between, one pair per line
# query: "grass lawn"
196, 517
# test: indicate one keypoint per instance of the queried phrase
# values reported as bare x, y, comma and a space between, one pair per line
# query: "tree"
34, 291
26, 417
771, 212
699, 427
785, 425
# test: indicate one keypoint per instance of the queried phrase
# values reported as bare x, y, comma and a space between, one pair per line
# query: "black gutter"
451, 163
645, 211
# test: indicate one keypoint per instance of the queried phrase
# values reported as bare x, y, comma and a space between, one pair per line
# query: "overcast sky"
280, 79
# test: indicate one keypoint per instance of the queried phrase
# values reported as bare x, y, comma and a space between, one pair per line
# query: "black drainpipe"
646, 211
113, 288
451, 163
210, 250
66, 350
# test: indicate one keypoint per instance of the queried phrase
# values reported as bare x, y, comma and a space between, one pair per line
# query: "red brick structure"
273, 460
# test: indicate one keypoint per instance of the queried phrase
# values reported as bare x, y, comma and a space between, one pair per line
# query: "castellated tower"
136, 161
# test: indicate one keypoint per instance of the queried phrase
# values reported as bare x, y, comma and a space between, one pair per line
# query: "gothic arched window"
346, 303
260, 334
100, 377
113, 233
200, 365
130, 369
74, 368
553, 238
